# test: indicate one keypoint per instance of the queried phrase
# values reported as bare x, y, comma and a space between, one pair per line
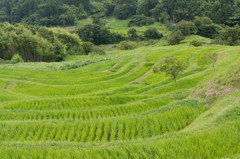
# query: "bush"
132, 33
230, 36
140, 20
202, 20
209, 30
17, 59
206, 27
196, 43
72, 41
124, 45
98, 51
152, 33
59, 51
175, 38
98, 34
35, 43
88, 47
186, 27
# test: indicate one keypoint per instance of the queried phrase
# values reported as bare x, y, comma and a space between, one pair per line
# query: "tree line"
66, 12
39, 43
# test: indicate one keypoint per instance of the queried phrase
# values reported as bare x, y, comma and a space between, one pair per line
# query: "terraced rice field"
114, 106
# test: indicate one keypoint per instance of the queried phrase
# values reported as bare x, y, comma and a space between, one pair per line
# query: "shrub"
132, 33
230, 36
72, 41
140, 20
59, 51
35, 43
124, 45
17, 59
88, 47
98, 51
186, 27
196, 43
202, 20
152, 33
209, 30
175, 38
98, 34
206, 27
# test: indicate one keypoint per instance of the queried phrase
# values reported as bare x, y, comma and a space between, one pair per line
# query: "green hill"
114, 106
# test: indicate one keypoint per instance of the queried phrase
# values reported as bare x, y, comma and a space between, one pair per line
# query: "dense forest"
66, 12
25, 28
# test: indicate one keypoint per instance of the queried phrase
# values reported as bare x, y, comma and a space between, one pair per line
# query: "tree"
175, 38
196, 43
171, 66
212, 58
198, 21
140, 20
17, 59
160, 14
145, 6
152, 33
98, 34
206, 27
132, 33
125, 10
186, 27
230, 36
35, 43
87, 47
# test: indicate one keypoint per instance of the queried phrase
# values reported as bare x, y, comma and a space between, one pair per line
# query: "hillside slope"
114, 106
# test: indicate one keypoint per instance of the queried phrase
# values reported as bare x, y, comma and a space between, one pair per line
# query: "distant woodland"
67, 12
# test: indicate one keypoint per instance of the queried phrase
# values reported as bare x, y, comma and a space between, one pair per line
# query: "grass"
114, 106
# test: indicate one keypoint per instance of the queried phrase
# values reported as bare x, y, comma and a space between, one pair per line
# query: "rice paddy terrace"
114, 106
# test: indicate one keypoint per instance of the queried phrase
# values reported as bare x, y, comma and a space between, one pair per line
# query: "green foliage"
206, 27
207, 58
17, 59
109, 8
71, 41
34, 43
98, 51
140, 20
49, 12
186, 27
171, 66
213, 57
124, 45
235, 19
90, 48
219, 11
153, 33
132, 33
87, 47
145, 7
66, 12
230, 36
160, 14
96, 7
98, 34
198, 21
196, 43
175, 38
125, 10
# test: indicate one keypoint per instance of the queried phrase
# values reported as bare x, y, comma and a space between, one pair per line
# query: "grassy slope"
115, 107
